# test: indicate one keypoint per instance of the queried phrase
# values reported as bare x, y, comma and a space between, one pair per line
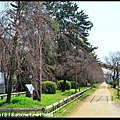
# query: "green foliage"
88, 84
114, 83
74, 85
93, 85
67, 86
49, 87
81, 40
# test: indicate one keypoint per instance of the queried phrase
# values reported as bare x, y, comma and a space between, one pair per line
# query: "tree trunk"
79, 86
39, 84
64, 86
9, 89
76, 80
40, 72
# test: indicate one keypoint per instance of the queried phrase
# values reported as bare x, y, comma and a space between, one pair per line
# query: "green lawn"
27, 102
115, 94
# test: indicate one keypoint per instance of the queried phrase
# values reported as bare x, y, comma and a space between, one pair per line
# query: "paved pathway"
100, 104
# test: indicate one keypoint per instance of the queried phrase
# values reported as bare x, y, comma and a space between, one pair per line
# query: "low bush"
74, 85
67, 86
49, 87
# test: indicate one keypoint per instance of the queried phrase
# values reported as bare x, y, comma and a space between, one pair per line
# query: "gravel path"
99, 104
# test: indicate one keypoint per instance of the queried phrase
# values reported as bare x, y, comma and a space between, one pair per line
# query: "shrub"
49, 87
67, 87
94, 86
74, 85
89, 84
114, 83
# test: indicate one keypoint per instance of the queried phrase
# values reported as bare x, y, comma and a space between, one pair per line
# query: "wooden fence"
40, 112
56, 106
12, 94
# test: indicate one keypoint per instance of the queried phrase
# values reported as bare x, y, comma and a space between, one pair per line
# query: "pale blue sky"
105, 33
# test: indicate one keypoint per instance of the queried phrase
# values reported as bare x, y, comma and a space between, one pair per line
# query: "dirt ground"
100, 104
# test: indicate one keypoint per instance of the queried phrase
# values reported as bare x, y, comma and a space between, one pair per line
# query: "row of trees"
47, 40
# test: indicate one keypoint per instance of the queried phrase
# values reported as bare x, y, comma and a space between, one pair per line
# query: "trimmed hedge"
74, 85
67, 87
49, 87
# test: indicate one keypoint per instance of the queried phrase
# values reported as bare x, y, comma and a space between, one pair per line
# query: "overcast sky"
105, 33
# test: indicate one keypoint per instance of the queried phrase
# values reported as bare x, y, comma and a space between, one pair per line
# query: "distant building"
2, 83
0, 53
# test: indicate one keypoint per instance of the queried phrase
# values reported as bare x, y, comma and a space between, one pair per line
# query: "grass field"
114, 93
27, 102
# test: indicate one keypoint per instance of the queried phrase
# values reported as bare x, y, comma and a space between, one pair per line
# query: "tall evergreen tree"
73, 24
